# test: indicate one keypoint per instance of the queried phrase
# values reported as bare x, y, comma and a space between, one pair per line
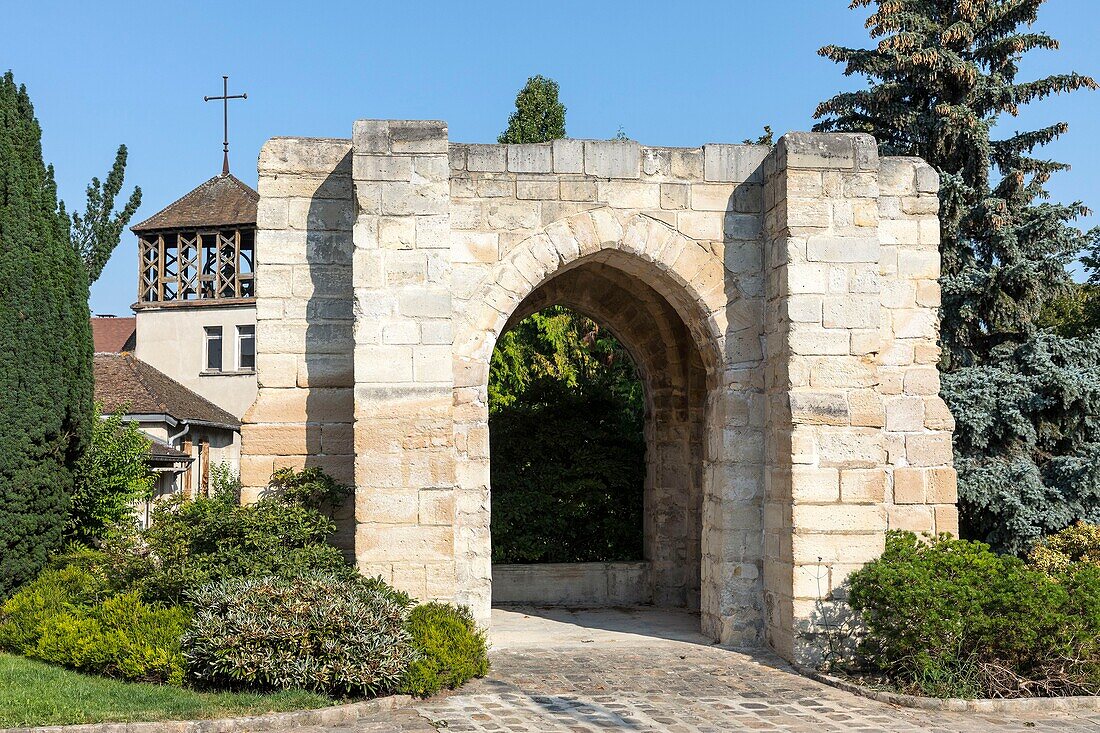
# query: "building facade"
780, 302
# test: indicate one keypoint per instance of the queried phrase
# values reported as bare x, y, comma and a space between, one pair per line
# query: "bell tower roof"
223, 201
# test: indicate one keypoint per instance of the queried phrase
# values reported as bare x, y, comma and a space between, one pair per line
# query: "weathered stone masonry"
780, 303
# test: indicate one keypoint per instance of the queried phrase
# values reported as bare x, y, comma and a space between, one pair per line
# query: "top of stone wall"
604, 159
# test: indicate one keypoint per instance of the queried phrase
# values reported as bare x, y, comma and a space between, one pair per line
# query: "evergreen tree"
539, 116
942, 76
46, 342
97, 232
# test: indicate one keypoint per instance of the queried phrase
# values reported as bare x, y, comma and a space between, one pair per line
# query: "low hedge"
66, 616
319, 632
950, 618
450, 649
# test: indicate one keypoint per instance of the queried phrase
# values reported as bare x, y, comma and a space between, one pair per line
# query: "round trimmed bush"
450, 649
329, 633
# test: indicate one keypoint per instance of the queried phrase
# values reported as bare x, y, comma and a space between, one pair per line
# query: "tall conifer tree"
45, 348
942, 76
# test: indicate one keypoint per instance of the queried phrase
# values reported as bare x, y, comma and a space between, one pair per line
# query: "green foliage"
191, 543
67, 589
1074, 315
566, 410
45, 337
1058, 553
941, 78
944, 616
764, 139
539, 116
120, 637
329, 633
34, 693
95, 235
1028, 439
110, 476
310, 487
450, 649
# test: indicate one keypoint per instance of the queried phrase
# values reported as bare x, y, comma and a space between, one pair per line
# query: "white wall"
173, 341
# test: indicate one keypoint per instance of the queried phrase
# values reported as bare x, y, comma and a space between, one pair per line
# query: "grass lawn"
34, 693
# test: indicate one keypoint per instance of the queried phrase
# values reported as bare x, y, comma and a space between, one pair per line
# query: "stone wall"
779, 303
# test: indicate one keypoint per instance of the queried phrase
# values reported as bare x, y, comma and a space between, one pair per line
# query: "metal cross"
225, 97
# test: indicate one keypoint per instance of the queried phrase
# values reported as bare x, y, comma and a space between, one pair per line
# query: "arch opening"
665, 567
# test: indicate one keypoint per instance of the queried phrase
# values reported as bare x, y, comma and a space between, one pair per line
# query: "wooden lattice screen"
203, 265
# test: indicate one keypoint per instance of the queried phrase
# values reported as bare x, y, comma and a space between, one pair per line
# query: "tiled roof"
125, 382
222, 201
112, 335
163, 453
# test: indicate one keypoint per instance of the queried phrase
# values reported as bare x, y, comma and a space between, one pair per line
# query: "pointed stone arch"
703, 465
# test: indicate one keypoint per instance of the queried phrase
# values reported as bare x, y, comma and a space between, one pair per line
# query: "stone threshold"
955, 704
331, 716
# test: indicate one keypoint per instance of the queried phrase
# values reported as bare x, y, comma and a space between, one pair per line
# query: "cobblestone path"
608, 679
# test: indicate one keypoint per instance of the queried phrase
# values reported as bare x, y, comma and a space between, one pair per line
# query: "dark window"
246, 348
213, 348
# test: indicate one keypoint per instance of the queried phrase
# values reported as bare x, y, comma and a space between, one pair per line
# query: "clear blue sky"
668, 73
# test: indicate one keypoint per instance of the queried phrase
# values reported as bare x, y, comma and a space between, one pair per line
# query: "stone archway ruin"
780, 301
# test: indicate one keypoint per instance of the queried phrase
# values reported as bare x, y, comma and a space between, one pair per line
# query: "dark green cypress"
45, 348
941, 79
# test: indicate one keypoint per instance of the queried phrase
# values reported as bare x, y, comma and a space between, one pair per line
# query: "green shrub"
120, 637
937, 610
111, 476
1057, 553
310, 487
450, 649
328, 633
54, 592
193, 543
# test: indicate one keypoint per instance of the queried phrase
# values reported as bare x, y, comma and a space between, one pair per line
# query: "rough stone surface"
780, 304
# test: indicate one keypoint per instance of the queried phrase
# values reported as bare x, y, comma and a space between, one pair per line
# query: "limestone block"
414, 136
817, 150
852, 311
922, 381
914, 323
486, 158
568, 156
815, 485
403, 199
741, 226
512, 215
837, 518
851, 447
897, 176
936, 414
712, 196
304, 156
808, 340
530, 158
686, 164
830, 248
947, 519
734, 163
578, 190
475, 247
382, 168
630, 194
929, 449
674, 196
866, 409
537, 189
386, 506
859, 485
396, 232
432, 363
914, 264
424, 303
911, 518
819, 408
904, 413
382, 364
612, 158
831, 548
910, 485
